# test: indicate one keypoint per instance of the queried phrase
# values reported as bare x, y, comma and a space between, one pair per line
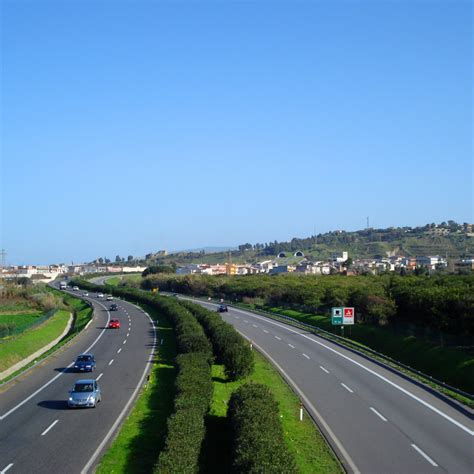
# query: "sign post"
342, 317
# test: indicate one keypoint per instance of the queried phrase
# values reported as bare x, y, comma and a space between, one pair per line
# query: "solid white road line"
113, 428
378, 414
347, 388
27, 399
4, 470
307, 356
323, 369
111, 362
99, 377
416, 448
292, 346
279, 338
370, 371
119, 351
50, 426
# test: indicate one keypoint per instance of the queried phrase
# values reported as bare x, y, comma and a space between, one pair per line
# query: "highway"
38, 433
376, 420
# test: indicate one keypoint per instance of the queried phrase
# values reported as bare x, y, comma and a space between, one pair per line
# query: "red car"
114, 324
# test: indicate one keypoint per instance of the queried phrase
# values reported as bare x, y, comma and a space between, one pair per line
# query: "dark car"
223, 308
85, 363
113, 307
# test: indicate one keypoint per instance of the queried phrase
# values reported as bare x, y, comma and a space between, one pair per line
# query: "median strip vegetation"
192, 432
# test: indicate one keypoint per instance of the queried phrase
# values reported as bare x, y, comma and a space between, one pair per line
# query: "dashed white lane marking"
254, 325
378, 414
236, 317
245, 321
279, 338
265, 331
347, 388
111, 362
370, 371
292, 346
98, 378
128, 334
307, 356
124, 342
4, 470
119, 351
323, 369
49, 427
416, 448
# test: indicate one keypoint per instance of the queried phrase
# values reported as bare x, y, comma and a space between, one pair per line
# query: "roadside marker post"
301, 411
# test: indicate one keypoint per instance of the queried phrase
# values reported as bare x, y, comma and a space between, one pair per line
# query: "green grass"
115, 281
303, 438
16, 349
142, 436
452, 366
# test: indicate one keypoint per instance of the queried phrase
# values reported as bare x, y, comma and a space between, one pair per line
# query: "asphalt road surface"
38, 433
377, 421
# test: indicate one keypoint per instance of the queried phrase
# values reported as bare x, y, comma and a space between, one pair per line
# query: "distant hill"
446, 239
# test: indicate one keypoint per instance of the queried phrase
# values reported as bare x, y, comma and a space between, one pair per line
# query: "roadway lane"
378, 421
38, 433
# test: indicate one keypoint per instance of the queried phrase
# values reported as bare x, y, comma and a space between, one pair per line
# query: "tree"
129, 258
101, 260
118, 259
107, 260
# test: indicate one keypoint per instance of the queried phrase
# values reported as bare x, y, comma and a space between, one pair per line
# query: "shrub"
230, 348
257, 436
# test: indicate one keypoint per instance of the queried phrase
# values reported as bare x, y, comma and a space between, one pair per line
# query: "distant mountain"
205, 250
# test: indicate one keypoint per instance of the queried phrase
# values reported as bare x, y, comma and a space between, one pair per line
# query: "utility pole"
368, 226
3, 255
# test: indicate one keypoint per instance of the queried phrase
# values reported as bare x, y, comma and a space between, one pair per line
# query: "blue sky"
128, 127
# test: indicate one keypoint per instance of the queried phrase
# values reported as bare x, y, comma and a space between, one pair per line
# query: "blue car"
85, 363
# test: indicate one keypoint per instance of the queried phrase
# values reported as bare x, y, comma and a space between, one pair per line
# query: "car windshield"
83, 387
84, 359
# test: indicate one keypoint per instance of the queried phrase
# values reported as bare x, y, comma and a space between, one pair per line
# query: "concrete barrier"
38, 353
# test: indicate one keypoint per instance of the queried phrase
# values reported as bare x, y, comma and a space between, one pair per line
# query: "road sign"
348, 316
336, 316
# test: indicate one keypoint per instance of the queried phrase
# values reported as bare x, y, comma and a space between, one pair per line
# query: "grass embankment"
18, 348
302, 438
143, 435
452, 366
115, 281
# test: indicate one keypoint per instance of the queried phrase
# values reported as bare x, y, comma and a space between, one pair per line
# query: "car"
84, 363
100, 295
114, 324
110, 298
85, 393
75, 288
113, 307
85, 293
222, 308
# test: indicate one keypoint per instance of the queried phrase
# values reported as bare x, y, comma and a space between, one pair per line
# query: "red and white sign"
348, 316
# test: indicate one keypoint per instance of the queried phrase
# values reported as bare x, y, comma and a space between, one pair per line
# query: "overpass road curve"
38, 433
378, 421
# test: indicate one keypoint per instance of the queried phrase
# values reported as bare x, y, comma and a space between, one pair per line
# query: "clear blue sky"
129, 127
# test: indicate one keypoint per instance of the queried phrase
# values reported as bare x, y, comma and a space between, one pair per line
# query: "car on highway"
75, 288
222, 308
85, 363
114, 324
85, 393
85, 293
100, 295
113, 307
110, 298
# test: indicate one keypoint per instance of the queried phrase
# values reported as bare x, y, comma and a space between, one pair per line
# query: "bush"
257, 435
230, 348
186, 429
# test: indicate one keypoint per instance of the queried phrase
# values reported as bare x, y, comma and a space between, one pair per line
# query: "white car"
110, 297
75, 288
85, 293
100, 295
